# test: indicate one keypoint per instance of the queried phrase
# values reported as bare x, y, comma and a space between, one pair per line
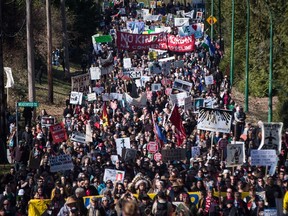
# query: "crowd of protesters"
242, 190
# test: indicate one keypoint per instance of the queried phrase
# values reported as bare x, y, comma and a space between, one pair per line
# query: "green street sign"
28, 104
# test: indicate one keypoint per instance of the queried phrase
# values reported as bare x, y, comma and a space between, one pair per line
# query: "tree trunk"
49, 52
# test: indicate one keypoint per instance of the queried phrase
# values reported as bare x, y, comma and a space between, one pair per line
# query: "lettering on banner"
173, 154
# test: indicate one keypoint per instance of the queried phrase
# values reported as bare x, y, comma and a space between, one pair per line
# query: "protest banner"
167, 59
235, 154
188, 103
113, 175
209, 80
138, 102
173, 154
80, 83
178, 99
150, 17
162, 41
95, 73
78, 137
195, 151
271, 136
122, 143
10, 79
128, 154
58, 133
61, 163
271, 212
76, 98
263, 157
91, 96
156, 87
182, 85
214, 120
47, 121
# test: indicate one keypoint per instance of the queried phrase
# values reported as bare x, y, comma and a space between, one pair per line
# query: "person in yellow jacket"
285, 204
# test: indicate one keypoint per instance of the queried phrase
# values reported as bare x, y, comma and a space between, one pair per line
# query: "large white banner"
214, 120
81, 83
122, 143
263, 157
61, 163
271, 136
113, 175
235, 154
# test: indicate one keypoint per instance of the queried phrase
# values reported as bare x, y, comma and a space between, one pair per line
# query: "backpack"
162, 209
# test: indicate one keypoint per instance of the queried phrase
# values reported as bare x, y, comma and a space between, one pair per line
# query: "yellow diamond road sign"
211, 20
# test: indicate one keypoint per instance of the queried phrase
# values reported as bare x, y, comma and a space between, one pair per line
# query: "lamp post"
247, 58
212, 14
270, 65
232, 45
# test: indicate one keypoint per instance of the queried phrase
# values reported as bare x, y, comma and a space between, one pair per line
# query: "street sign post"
28, 104
152, 147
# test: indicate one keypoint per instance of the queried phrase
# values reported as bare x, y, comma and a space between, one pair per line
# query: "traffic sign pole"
17, 123
212, 14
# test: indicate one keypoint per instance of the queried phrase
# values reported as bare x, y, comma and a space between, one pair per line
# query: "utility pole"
65, 40
232, 45
247, 57
30, 54
49, 52
3, 138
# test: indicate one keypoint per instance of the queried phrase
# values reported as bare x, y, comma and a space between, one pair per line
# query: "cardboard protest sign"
235, 154
113, 175
195, 151
263, 157
78, 137
122, 143
188, 103
182, 85
80, 83
214, 120
61, 163
181, 22
76, 98
95, 73
271, 136
47, 121
127, 63
179, 98
156, 87
91, 96
128, 154
209, 80
58, 133
198, 102
173, 154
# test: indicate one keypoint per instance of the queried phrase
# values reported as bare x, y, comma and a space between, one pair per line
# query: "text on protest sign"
76, 98
61, 163
80, 83
58, 133
47, 121
178, 99
182, 85
263, 157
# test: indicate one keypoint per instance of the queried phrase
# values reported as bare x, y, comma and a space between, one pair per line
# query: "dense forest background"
83, 18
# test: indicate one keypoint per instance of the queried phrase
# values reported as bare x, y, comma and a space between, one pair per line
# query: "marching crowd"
149, 187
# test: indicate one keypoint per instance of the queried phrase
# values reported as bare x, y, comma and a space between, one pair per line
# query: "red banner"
164, 41
58, 133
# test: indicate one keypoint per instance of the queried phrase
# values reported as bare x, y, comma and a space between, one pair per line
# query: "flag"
175, 119
208, 45
104, 117
160, 138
